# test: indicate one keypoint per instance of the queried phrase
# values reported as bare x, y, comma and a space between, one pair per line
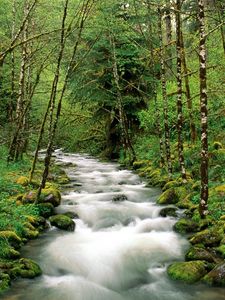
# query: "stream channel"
120, 249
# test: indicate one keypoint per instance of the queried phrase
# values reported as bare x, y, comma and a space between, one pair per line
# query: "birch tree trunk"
179, 92
203, 205
15, 151
165, 99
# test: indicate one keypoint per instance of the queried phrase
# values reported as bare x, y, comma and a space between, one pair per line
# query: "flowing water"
120, 249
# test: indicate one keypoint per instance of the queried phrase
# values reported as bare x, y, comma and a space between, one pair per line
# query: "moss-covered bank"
204, 260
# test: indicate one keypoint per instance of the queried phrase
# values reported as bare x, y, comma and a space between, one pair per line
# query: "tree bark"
165, 99
126, 139
168, 22
86, 7
193, 132
179, 92
203, 205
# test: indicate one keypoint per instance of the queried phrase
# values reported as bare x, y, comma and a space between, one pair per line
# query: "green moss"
188, 272
140, 164
30, 197
168, 211
22, 180
198, 253
172, 184
217, 145
4, 282
12, 238
51, 195
221, 250
168, 197
185, 226
64, 179
25, 268
45, 209
208, 237
62, 222
216, 277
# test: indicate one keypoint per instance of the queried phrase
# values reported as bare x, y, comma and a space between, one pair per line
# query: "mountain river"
120, 249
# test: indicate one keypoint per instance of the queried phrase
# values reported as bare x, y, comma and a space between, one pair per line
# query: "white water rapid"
120, 249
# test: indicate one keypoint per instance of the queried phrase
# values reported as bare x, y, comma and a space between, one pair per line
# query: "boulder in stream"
208, 237
188, 272
62, 222
216, 276
198, 253
168, 211
185, 225
4, 282
119, 198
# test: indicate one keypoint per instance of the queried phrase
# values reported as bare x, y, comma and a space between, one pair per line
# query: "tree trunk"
179, 92
193, 132
203, 205
16, 148
168, 22
157, 109
51, 105
126, 139
86, 7
165, 99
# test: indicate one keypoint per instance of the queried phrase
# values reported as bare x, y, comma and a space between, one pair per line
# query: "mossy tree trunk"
85, 11
165, 99
179, 91
156, 104
126, 139
193, 132
203, 205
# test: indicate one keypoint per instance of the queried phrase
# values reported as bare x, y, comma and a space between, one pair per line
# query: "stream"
120, 249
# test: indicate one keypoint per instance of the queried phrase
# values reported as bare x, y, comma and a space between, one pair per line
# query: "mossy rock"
216, 277
198, 253
217, 145
12, 238
185, 226
22, 180
30, 234
188, 272
25, 268
71, 215
30, 197
221, 250
185, 203
63, 179
140, 164
196, 186
222, 218
220, 190
172, 184
37, 222
50, 195
4, 282
45, 209
178, 183
62, 222
168, 197
11, 253
208, 237
168, 211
